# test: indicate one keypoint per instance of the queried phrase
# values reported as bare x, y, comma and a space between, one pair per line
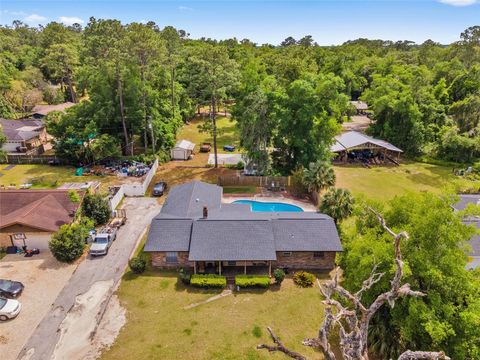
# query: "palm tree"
319, 175
338, 203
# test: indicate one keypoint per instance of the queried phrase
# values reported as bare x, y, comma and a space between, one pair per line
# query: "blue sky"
329, 22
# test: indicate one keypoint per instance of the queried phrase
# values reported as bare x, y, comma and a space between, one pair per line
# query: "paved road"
140, 211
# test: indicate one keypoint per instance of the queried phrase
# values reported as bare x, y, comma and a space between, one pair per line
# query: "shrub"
137, 264
184, 277
303, 279
279, 276
73, 196
257, 331
97, 208
208, 281
262, 281
68, 243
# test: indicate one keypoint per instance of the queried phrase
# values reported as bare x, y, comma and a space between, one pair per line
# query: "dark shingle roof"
232, 240
21, 130
188, 200
306, 235
169, 235
466, 199
232, 231
475, 240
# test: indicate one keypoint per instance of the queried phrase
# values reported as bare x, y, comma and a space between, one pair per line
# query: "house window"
171, 257
231, 263
318, 254
287, 253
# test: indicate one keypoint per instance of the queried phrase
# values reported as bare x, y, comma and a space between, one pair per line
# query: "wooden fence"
33, 159
259, 181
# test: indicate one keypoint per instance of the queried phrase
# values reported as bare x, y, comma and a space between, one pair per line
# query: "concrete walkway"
104, 270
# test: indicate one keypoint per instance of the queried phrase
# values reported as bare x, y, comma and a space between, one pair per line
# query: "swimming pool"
259, 206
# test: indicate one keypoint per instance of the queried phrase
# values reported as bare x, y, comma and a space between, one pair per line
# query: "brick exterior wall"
305, 260
159, 260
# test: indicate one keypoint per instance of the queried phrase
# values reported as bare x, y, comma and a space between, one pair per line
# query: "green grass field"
240, 190
383, 183
44, 176
158, 326
226, 130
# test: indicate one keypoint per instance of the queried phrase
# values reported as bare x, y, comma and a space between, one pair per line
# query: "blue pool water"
258, 206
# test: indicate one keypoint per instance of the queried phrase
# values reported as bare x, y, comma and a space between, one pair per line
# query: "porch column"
270, 268
195, 267
219, 268
245, 267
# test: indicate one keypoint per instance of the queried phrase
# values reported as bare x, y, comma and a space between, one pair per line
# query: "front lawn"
158, 326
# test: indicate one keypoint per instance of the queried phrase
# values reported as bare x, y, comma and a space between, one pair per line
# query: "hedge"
208, 281
252, 280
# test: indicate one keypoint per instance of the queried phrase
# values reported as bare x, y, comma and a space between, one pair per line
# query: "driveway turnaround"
94, 280
44, 277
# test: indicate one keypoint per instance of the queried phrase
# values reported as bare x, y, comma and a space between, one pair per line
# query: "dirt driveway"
44, 278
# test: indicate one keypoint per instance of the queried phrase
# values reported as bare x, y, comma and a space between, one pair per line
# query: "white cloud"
16, 13
35, 18
459, 2
143, 21
185, 8
70, 20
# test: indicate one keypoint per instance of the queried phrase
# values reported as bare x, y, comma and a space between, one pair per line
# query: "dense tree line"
139, 83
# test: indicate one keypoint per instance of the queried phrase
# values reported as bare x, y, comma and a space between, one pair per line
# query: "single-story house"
361, 106
195, 230
40, 111
182, 150
356, 145
25, 136
30, 217
474, 242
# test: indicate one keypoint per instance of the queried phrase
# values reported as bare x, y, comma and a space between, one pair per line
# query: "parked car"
102, 241
205, 147
159, 188
10, 289
9, 308
229, 148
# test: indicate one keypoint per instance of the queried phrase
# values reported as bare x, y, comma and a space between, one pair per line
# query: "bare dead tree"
353, 320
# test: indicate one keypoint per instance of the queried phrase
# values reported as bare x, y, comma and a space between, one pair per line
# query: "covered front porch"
233, 267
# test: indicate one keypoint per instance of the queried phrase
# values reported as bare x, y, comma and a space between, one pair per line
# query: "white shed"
182, 150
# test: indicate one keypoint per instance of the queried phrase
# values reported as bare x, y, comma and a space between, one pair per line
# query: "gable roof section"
169, 235
21, 130
184, 144
315, 234
465, 200
188, 200
232, 240
352, 139
45, 109
45, 210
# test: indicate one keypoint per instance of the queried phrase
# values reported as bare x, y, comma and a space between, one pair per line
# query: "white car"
9, 308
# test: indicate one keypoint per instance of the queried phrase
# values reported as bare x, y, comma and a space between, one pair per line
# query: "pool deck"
305, 205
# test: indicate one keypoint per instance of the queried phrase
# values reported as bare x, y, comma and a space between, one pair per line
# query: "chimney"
205, 212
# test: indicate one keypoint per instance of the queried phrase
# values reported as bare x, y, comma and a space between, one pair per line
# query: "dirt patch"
81, 322
213, 298
108, 330
358, 123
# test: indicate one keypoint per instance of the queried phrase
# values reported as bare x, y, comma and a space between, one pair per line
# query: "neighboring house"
182, 150
474, 254
40, 111
361, 107
27, 137
354, 142
195, 230
36, 214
